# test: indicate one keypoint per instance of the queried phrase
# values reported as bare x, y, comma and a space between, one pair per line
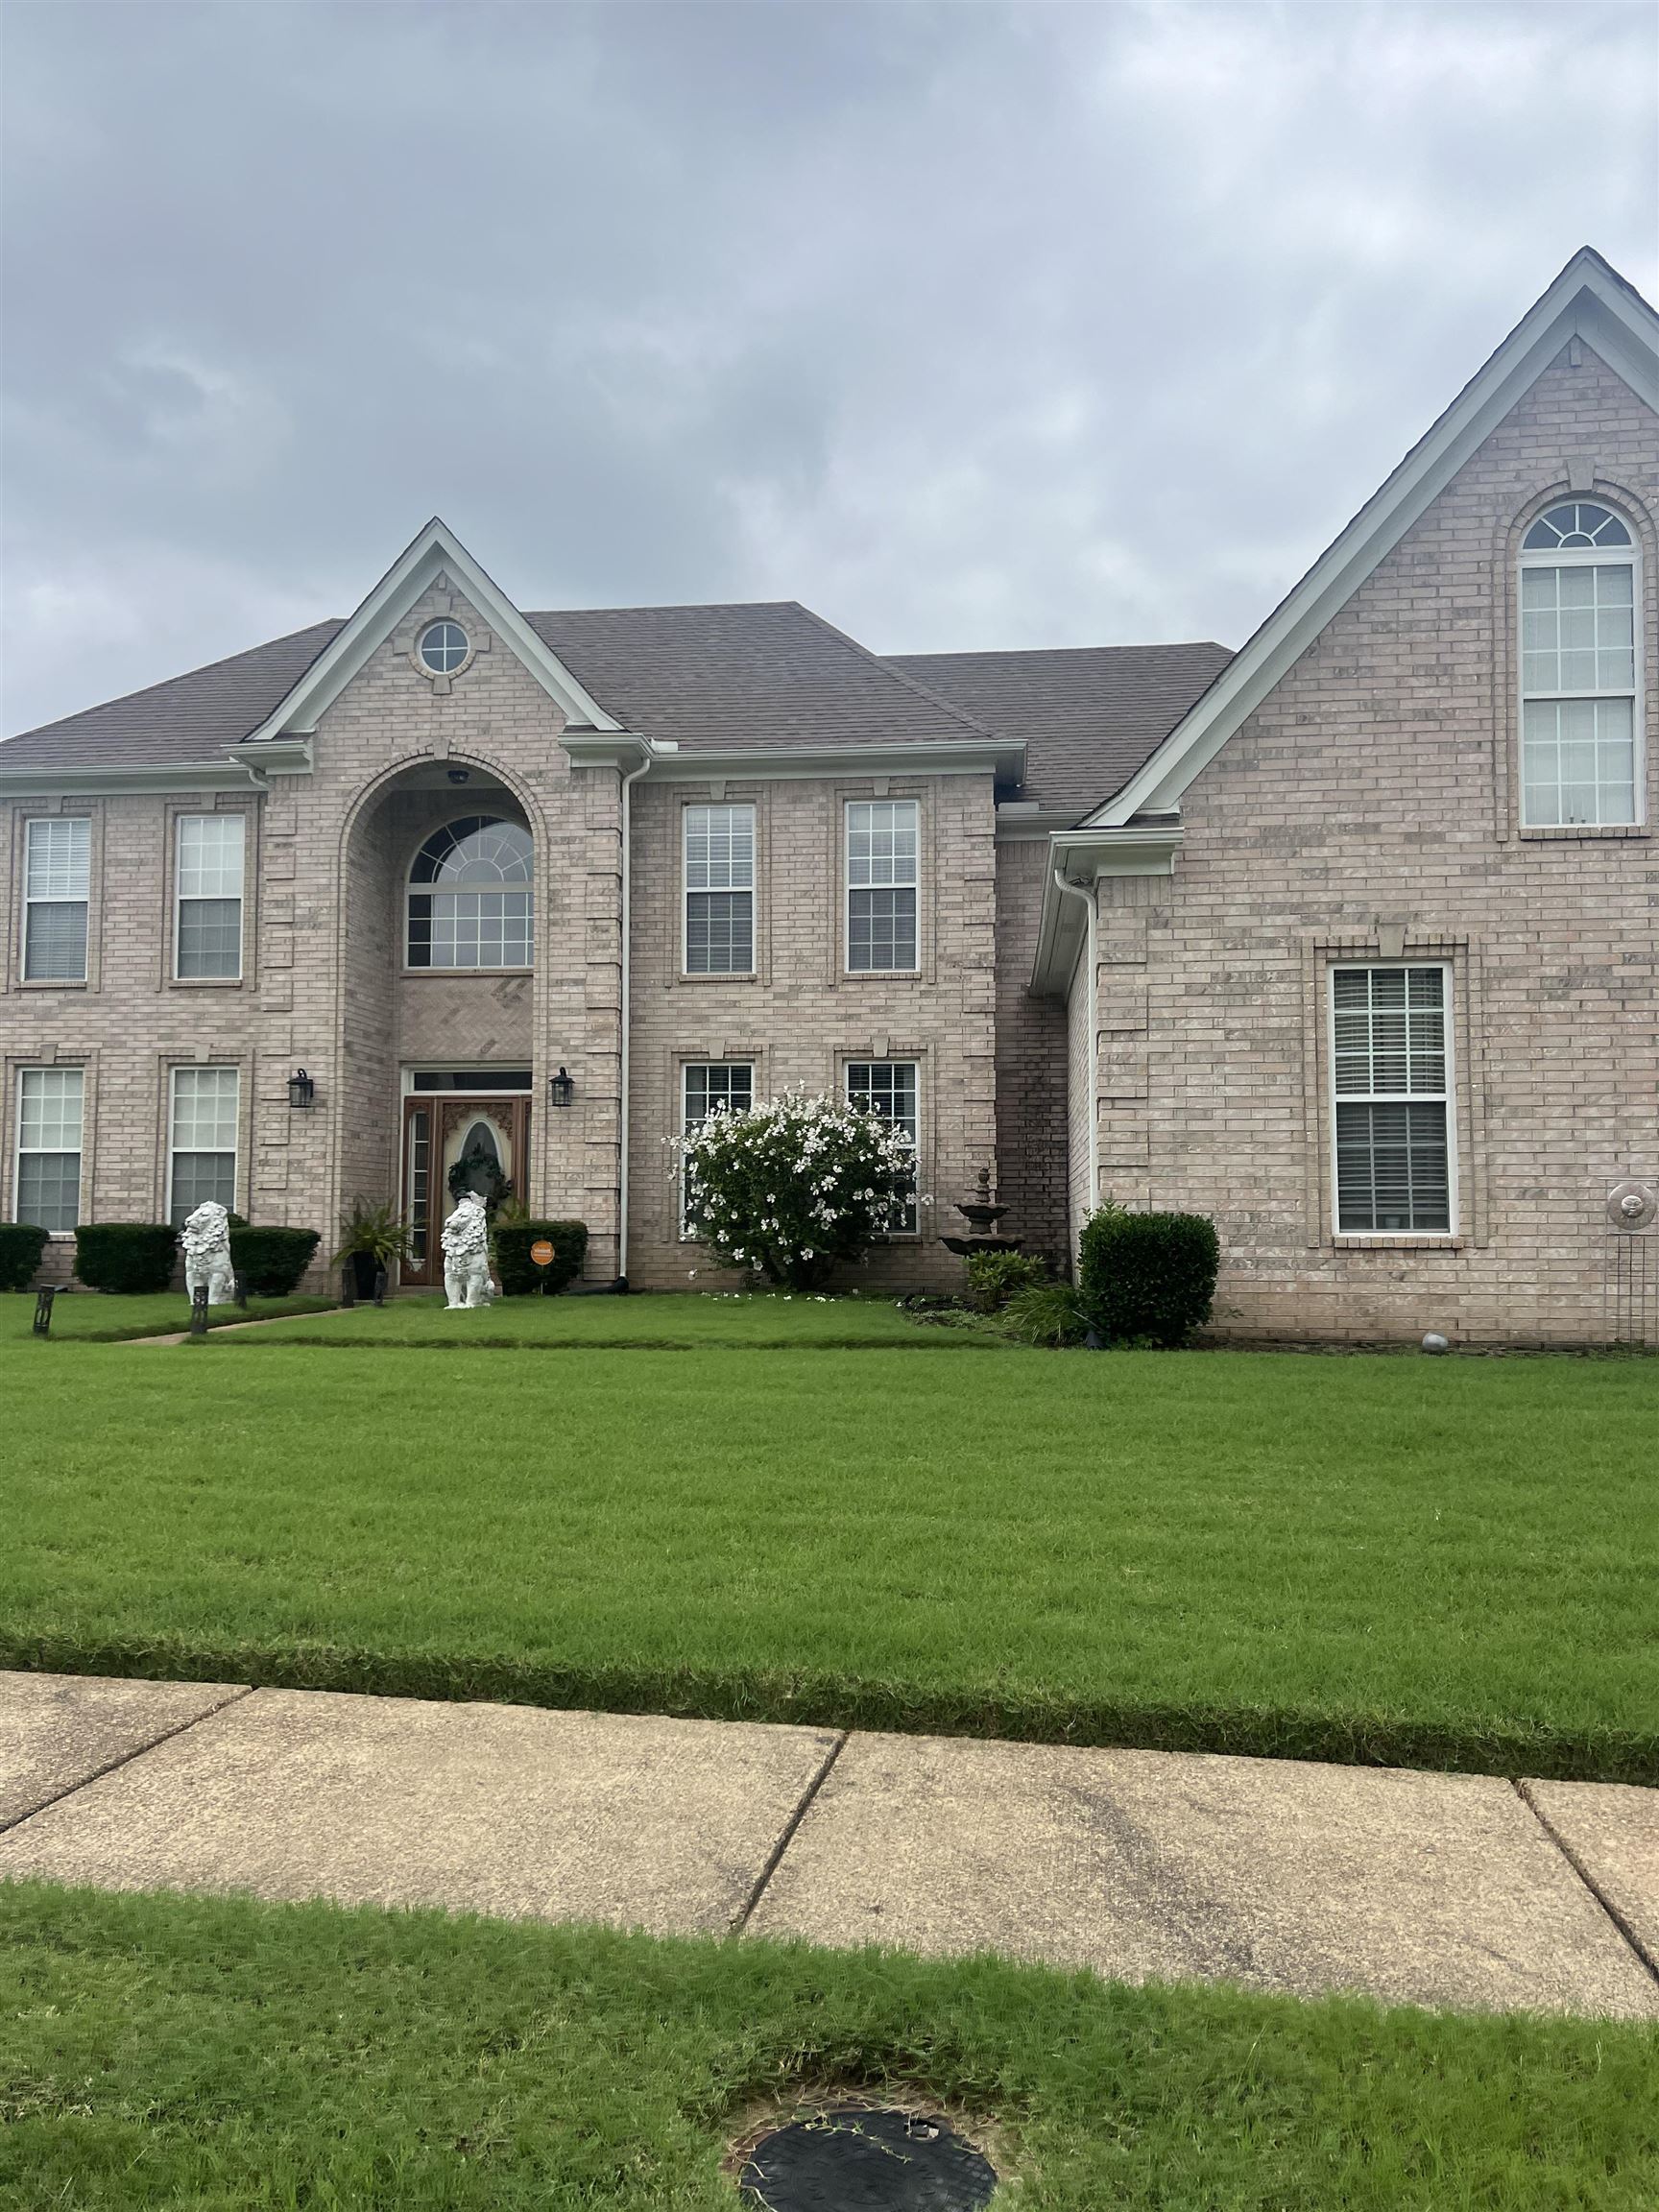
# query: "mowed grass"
1426, 1562
97, 1318
656, 1321
163, 2051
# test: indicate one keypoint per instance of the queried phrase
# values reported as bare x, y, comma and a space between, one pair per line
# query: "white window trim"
849, 887
1451, 1234
19, 1148
180, 902
722, 974
893, 1060
686, 1235
1583, 557
413, 890
203, 1068
31, 898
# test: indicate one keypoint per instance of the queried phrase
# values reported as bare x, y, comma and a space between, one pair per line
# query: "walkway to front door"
479, 1141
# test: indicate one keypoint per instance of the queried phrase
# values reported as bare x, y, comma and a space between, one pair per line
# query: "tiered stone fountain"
981, 1215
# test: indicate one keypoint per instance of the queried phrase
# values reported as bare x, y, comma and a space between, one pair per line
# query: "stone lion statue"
466, 1253
207, 1241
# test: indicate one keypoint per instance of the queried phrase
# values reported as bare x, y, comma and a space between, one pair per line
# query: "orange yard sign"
542, 1252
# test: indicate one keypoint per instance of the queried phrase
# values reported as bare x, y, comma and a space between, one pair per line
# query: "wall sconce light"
301, 1090
560, 1088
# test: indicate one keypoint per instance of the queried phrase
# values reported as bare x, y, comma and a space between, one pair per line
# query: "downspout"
628, 782
1091, 911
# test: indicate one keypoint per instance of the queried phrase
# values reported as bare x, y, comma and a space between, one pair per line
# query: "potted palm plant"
372, 1238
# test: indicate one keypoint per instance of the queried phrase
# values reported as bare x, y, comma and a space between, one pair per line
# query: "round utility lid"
851, 2159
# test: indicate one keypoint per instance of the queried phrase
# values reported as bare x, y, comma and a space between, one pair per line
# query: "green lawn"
658, 1321
224, 2054
96, 1318
1434, 1562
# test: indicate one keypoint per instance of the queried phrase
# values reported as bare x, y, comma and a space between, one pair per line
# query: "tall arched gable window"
469, 897
1581, 746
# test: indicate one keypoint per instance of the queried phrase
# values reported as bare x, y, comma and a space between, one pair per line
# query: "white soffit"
1588, 300
436, 552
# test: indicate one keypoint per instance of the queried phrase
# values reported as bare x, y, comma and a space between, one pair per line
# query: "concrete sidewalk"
1442, 1889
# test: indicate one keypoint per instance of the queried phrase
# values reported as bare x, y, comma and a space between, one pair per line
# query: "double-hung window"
719, 890
889, 1087
57, 869
49, 1111
207, 925
203, 1145
883, 841
1579, 686
710, 1087
1391, 1073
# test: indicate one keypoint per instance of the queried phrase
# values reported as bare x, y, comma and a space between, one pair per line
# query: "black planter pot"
364, 1266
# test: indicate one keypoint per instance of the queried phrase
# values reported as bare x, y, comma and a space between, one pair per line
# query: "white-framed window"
1580, 692
442, 647
207, 903
883, 846
469, 897
1392, 1135
202, 1140
893, 1088
47, 1185
709, 1086
57, 876
719, 868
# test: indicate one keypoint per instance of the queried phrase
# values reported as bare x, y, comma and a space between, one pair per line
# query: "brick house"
1350, 939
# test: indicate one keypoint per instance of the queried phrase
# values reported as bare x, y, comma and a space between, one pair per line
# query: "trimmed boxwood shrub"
518, 1272
21, 1245
1147, 1278
135, 1257
272, 1259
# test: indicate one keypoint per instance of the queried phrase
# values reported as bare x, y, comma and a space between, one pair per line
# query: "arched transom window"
1580, 727
469, 897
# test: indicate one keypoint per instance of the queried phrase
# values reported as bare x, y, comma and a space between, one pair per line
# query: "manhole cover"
854, 2160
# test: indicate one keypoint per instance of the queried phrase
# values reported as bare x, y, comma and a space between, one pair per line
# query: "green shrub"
133, 1256
519, 1274
272, 1260
1147, 1278
1047, 1314
994, 1277
21, 1245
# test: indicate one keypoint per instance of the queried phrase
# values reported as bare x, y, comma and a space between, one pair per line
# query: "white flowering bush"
789, 1187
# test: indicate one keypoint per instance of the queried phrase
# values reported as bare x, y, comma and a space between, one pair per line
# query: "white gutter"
629, 780
1090, 915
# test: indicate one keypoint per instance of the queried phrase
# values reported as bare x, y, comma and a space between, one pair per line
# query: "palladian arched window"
469, 897
1580, 748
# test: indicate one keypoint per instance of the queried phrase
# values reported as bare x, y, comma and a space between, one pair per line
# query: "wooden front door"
440, 1129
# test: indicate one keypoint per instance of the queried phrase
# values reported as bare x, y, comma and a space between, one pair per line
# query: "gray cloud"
969, 326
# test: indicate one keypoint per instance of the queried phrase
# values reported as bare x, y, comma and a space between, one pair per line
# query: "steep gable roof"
1090, 714
1588, 299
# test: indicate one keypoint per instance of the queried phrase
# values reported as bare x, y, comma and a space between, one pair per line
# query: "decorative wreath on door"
479, 1170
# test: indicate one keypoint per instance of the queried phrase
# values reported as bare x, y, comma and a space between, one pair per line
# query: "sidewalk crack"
113, 1766
1643, 1955
740, 1923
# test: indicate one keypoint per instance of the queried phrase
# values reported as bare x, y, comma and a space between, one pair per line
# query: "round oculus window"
442, 647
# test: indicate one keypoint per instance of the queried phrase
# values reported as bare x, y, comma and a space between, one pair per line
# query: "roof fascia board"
232, 771
436, 551
1082, 858
934, 757
1584, 301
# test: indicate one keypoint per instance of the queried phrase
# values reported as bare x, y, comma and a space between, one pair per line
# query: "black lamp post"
560, 1088
301, 1090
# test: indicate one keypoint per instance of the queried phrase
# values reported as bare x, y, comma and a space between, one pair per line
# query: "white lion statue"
466, 1253
207, 1241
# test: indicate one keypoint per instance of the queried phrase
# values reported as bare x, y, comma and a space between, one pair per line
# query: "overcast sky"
969, 326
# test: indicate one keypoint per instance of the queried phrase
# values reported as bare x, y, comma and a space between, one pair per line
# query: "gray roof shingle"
1090, 714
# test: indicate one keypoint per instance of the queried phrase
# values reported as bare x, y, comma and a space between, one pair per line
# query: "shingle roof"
1090, 714
188, 718
770, 673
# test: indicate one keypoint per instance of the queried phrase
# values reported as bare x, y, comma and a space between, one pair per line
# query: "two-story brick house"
1348, 938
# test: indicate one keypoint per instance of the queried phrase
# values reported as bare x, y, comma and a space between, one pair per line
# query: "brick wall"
1373, 792
1031, 1142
